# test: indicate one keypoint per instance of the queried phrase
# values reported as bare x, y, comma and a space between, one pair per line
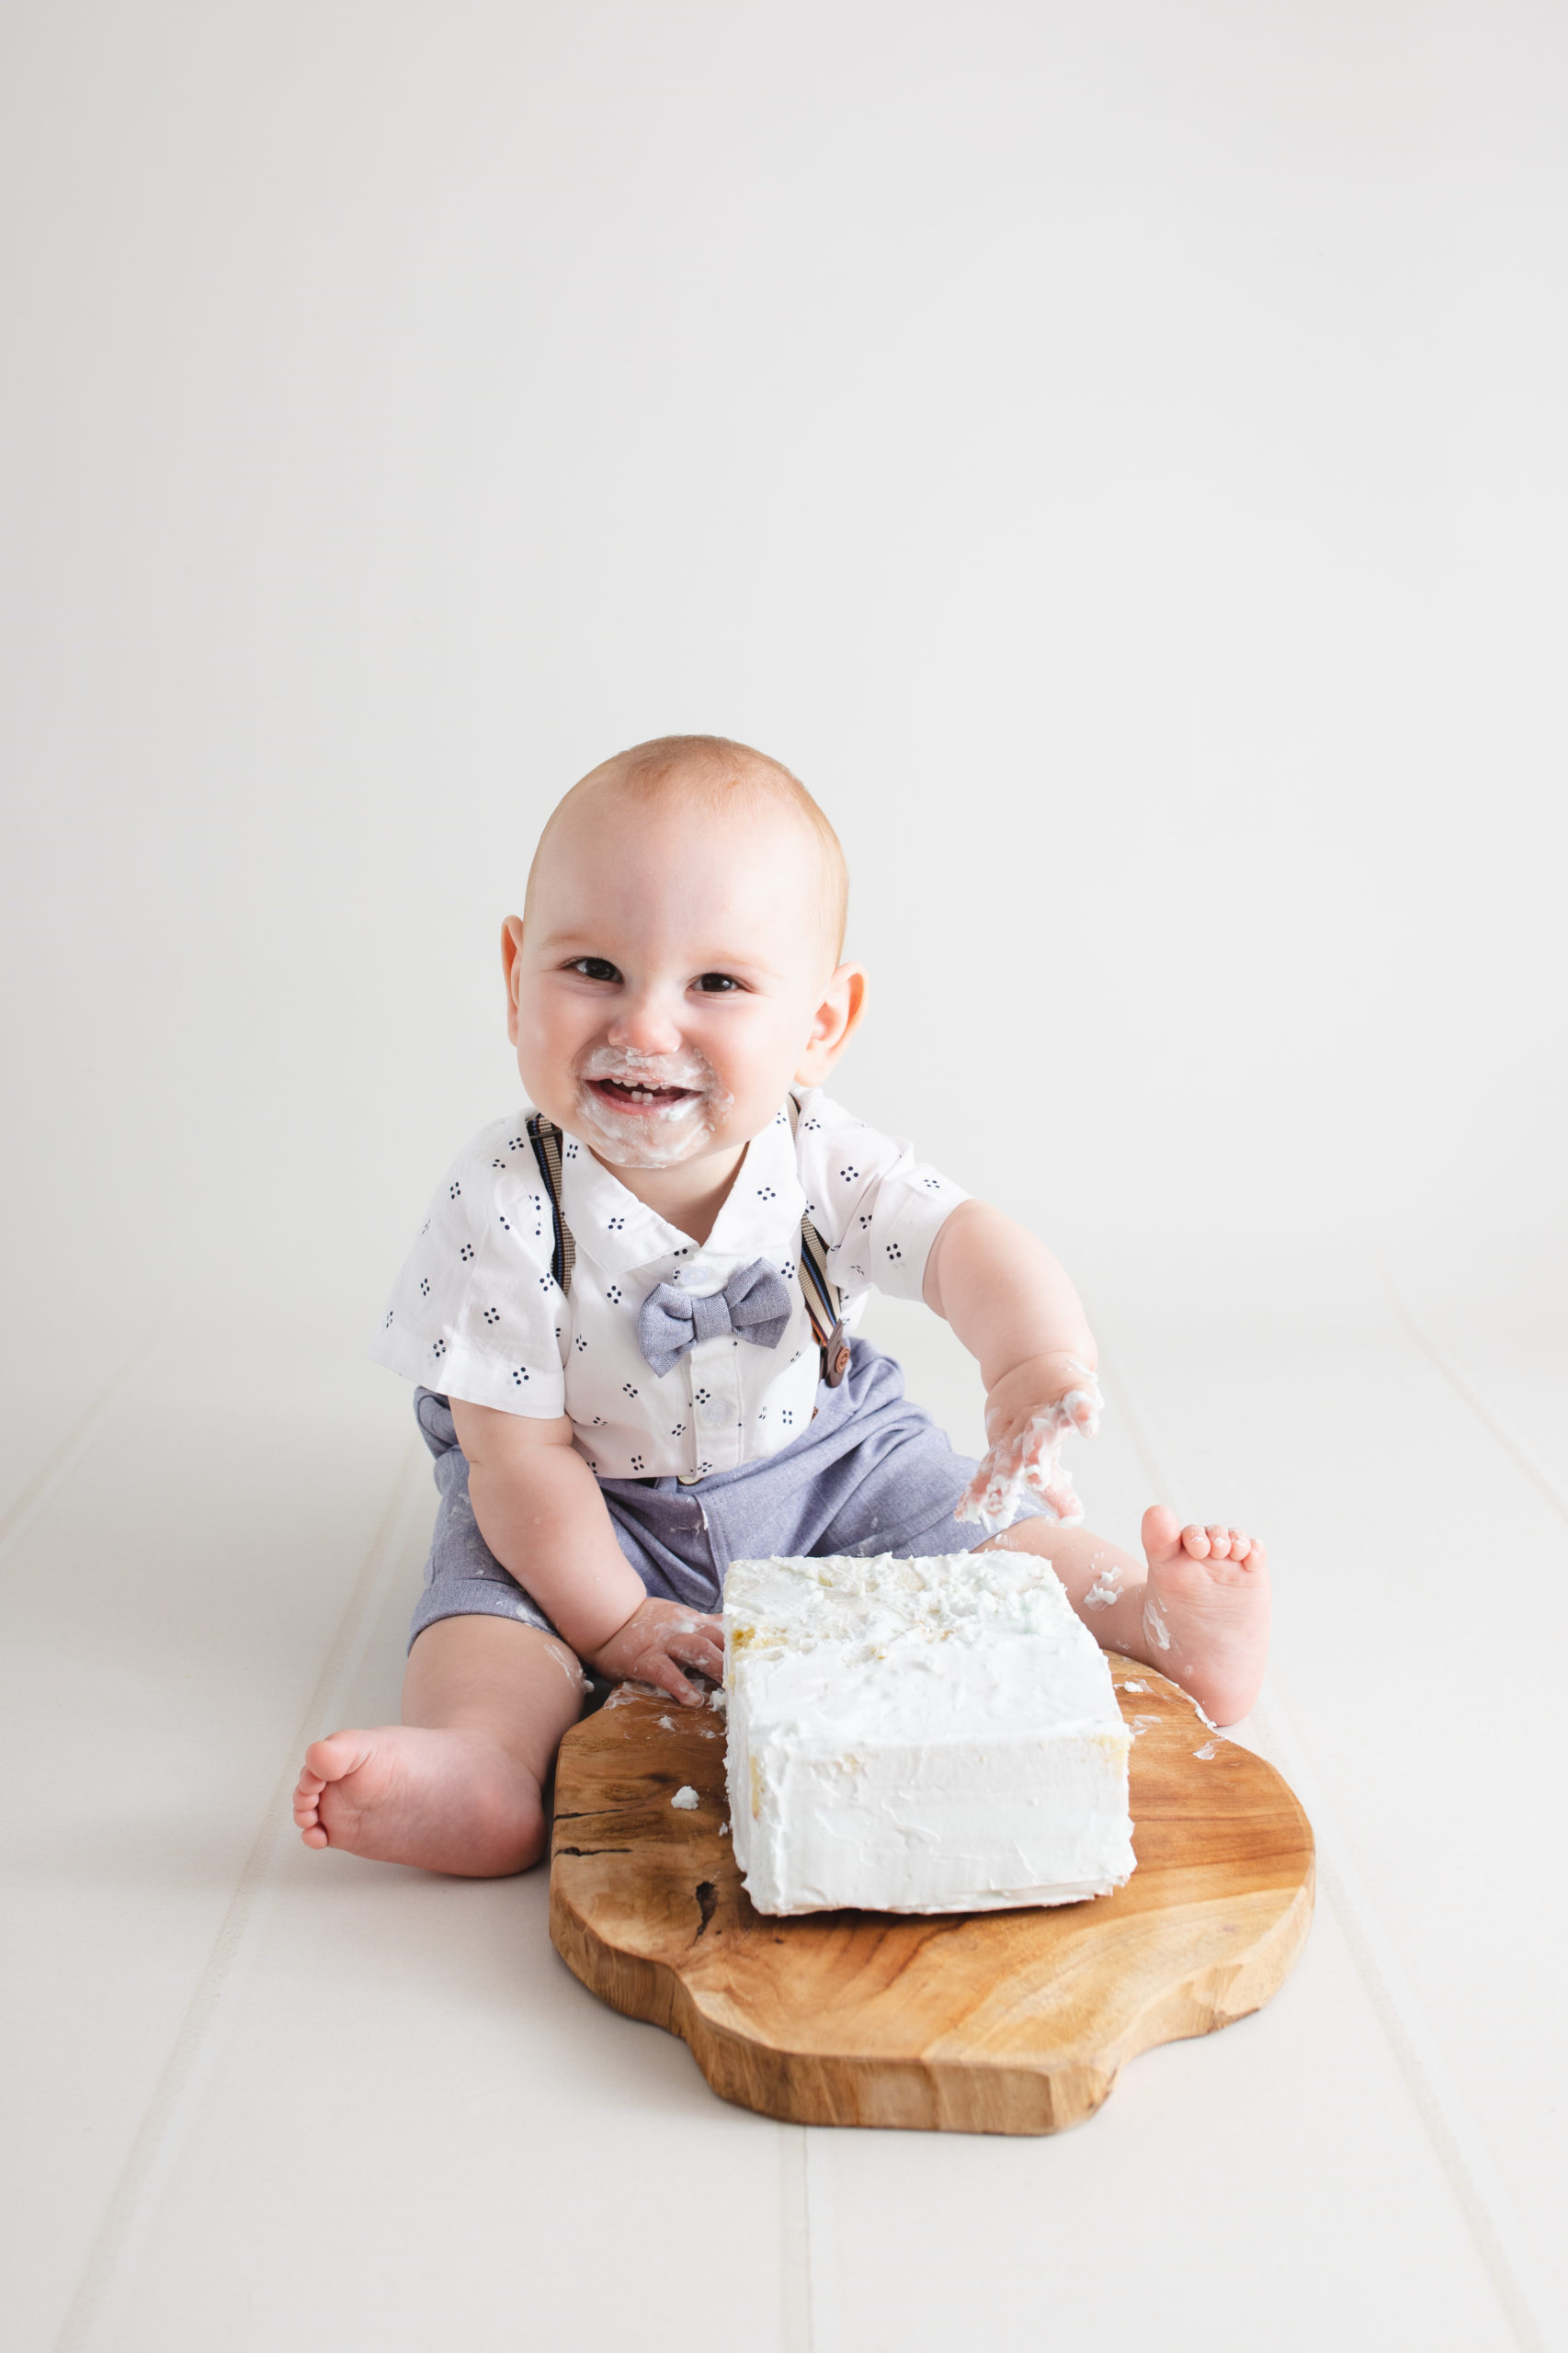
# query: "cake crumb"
684, 1798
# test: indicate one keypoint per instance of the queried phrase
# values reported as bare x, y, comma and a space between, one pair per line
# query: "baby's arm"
539, 1509
1015, 1310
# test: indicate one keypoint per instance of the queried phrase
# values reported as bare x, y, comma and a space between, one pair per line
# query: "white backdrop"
1114, 449
1115, 455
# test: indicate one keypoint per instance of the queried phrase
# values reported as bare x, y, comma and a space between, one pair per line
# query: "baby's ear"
835, 1023
511, 964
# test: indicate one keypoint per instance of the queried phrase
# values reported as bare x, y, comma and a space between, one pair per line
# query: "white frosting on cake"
926, 1735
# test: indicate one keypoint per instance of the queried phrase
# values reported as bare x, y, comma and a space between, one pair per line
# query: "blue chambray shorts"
872, 1474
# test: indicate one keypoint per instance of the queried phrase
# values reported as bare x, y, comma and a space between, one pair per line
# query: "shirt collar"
619, 1233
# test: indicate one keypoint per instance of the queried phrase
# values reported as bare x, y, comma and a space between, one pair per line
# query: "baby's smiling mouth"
634, 1094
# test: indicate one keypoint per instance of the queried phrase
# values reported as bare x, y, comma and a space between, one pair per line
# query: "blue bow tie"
756, 1303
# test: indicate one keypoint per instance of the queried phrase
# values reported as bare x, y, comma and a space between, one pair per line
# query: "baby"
629, 1319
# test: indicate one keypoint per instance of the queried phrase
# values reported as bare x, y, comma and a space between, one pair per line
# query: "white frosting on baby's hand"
1029, 1463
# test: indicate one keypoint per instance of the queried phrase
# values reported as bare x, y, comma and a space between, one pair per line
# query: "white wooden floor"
276, 2099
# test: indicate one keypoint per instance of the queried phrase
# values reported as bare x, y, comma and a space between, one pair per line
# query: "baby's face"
673, 977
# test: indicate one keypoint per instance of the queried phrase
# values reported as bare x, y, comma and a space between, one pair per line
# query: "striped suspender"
546, 1141
818, 1289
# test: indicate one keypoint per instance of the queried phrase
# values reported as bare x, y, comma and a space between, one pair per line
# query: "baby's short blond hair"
716, 773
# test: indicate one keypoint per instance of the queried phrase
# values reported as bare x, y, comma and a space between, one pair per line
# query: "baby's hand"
1027, 1416
657, 1640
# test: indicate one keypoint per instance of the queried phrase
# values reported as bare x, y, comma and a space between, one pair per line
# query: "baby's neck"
689, 1197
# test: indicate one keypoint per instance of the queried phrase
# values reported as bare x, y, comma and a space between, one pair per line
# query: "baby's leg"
1197, 1609
459, 1785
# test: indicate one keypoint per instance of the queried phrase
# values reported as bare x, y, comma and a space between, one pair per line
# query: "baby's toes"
307, 1810
1194, 1543
1219, 1541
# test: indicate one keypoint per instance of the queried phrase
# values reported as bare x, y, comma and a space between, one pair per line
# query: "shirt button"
717, 1410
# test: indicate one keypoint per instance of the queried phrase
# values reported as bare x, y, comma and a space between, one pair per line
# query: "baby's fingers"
1083, 1406
664, 1672
690, 1642
1046, 1479
991, 1497
703, 1651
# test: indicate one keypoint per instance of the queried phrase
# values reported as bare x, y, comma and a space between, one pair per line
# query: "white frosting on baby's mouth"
659, 1130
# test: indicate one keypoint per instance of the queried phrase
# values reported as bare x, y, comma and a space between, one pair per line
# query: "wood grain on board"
962, 2022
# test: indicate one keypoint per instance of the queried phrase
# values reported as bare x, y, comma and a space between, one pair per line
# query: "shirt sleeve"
476, 1312
877, 1207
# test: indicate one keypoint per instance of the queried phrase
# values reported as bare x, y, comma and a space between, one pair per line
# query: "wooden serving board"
958, 2022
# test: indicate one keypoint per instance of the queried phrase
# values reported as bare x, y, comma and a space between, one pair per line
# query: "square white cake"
926, 1736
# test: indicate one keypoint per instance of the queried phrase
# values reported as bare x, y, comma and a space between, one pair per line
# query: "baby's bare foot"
442, 1799
1206, 1611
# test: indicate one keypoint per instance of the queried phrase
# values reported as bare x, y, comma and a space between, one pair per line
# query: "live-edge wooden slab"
960, 2022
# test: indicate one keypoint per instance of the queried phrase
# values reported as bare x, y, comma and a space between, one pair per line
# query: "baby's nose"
646, 1025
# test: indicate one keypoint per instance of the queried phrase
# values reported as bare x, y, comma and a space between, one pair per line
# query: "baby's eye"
716, 983
593, 968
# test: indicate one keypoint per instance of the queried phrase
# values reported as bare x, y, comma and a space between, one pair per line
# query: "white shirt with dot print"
477, 1314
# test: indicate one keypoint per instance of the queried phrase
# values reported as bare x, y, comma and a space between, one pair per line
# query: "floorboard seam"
1520, 1453
822, 2240
796, 2332
1500, 2240
82, 1431
107, 2276
1478, 2188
